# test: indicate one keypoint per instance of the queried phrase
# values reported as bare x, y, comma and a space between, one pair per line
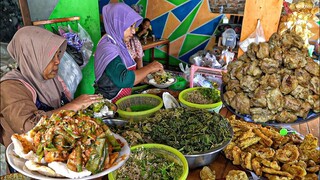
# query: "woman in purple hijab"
115, 70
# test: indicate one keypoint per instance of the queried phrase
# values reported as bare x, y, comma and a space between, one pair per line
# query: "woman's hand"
81, 102
155, 66
85, 100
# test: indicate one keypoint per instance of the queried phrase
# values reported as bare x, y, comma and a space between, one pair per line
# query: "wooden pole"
25, 13
268, 11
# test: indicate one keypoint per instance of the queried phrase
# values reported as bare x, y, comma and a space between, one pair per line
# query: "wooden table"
222, 165
152, 44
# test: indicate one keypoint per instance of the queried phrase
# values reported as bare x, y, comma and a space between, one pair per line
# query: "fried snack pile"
274, 80
303, 12
267, 153
82, 142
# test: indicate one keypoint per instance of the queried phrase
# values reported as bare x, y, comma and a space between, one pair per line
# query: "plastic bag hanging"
86, 49
70, 72
255, 37
79, 44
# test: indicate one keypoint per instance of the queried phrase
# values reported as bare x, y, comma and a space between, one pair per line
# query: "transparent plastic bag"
256, 37
70, 72
79, 44
229, 38
185, 70
87, 46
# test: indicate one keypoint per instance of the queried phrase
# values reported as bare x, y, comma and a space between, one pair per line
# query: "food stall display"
274, 81
153, 161
68, 144
161, 79
298, 18
267, 153
198, 134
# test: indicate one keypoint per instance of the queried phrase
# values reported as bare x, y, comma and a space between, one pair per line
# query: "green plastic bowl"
172, 153
138, 106
210, 107
180, 85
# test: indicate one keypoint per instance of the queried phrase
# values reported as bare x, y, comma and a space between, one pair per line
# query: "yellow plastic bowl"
138, 106
211, 107
172, 153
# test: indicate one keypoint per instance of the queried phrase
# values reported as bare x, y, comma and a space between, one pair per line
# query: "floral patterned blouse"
135, 48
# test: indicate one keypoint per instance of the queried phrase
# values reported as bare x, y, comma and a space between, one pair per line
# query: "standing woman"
34, 89
115, 69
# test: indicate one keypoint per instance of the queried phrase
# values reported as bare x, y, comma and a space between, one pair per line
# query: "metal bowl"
194, 160
206, 158
114, 122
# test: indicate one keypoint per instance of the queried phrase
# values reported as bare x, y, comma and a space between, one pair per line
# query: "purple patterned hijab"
117, 17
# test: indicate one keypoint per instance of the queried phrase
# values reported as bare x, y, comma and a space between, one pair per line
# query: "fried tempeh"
294, 170
246, 160
248, 142
236, 154
276, 172
275, 177
246, 135
289, 153
256, 166
264, 139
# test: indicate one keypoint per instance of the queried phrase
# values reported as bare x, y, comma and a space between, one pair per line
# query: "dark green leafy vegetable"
188, 130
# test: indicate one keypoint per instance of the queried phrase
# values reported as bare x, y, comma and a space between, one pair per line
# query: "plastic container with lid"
229, 38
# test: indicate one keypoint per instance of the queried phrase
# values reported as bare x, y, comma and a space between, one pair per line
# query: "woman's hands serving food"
81, 102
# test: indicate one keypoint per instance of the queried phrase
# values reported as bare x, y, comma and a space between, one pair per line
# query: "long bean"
78, 158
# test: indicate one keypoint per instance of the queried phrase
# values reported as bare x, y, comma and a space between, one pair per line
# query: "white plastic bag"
226, 57
186, 71
256, 37
70, 72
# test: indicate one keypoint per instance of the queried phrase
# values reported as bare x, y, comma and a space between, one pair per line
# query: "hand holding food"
161, 77
155, 66
100, 109
84, 101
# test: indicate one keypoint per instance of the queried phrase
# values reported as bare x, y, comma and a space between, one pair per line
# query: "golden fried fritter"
294, 170
237, 175
207, 174
288, 153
